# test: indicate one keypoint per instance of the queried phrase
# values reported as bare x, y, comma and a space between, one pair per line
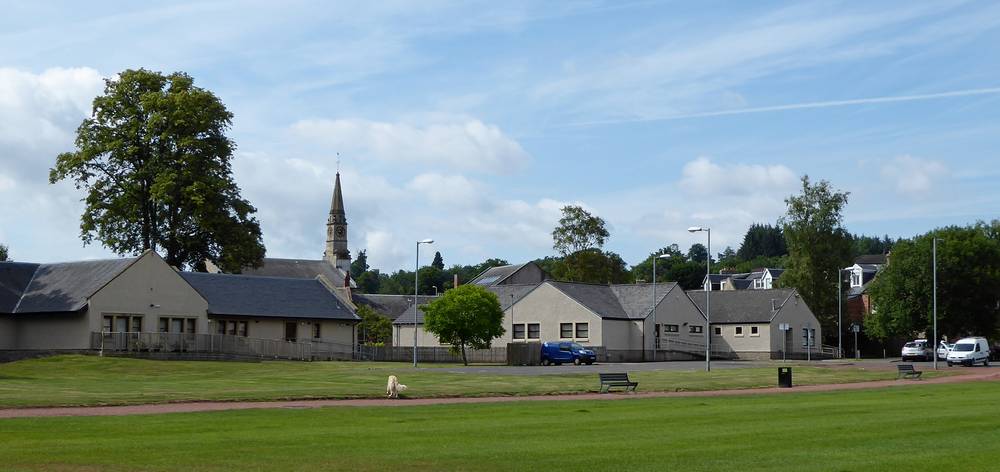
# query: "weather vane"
338, 162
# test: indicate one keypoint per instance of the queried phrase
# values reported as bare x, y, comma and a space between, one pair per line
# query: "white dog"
393, 388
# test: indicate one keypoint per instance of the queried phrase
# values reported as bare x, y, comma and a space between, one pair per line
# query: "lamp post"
934, 346
512, 320
653, 309
416, 296
840, 311
708, 291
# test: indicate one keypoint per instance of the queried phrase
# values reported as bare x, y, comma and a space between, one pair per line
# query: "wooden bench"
616, 380
907, 371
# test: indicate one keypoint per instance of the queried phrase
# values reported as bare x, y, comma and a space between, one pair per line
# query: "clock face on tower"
341, 231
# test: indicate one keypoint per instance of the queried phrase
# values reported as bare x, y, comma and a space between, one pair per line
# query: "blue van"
566, 352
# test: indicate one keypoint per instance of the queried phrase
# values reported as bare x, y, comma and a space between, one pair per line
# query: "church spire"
336, 231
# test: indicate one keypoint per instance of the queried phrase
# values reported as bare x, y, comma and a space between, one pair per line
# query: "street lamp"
653, 310
708, 291
934, 346
416, 296
840, 310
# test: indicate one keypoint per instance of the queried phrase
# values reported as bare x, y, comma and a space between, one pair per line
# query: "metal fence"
224, 344
495, 355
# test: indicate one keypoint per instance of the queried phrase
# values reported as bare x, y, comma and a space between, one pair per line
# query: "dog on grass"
393, 388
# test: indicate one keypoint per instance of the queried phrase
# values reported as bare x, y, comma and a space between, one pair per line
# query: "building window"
808, 340
122, 324
855, 279
695, 329
583, 330
754, 331
232, 327
566, 330
534, 331
519, 331
177, 325
671, 328
718, 331
316, 331
739, 331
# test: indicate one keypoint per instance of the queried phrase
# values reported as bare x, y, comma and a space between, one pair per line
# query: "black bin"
785, 377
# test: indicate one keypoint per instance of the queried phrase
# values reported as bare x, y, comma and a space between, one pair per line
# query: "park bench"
616, 380
907, 371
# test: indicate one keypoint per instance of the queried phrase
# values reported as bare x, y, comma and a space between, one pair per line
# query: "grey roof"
496, 275
14, 278
620, 301
636, 299
243, 295
879, 259
393, 306
742, 284
742, 306
60, 287
298, 269
407, 316
776, 273
716, 278
504, 292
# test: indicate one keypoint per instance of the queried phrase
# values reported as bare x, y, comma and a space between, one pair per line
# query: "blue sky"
473, 122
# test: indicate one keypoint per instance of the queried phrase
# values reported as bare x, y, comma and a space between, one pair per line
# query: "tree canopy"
698, 253
359, 265
592, 266
818, 247
438, 262
578, 230
968, 260
3, 253
762, 240
468, 315
375, 329
155, 161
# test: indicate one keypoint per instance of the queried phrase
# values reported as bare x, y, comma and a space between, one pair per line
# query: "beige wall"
745, 342
150, 288
402, 335
549, 307
52, 331
796, 313
7, 328
621, 334
676, 308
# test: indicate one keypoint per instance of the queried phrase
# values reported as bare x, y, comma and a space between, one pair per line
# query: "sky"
473, 123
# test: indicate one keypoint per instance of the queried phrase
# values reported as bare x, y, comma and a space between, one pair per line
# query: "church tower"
336, 232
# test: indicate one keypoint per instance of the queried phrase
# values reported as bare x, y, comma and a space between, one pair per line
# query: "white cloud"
469, 144
455, 190
912, 176
703, 177
38, 110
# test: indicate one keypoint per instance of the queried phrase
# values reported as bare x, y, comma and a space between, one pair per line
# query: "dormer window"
855, 279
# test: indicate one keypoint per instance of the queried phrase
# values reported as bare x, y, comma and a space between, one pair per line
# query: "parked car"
970, 351
566, 352
943, 350
917, 349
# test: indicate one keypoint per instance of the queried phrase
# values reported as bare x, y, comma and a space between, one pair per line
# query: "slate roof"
496, 275
741, 306
393, 306
298, 269
621, 301
776, 273
636, 299
503, 293
53, 288
245, 295
879, 259
407, 316
742, 284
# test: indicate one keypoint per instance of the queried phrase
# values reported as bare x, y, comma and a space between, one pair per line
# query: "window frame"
696, 329
131, 322
564, 329
671, 328
738, 331
514, 331
755, 331
576, 330
535, 333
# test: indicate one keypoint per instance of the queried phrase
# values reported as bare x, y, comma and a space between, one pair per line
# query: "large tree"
375, 329
762, 241
155, 161
968, 262
438, 262
818, 247
359, 265
468, 315
578, 230
3, 253
698, 253
592, 266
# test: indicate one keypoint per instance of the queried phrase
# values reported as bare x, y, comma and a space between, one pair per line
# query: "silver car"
917, 349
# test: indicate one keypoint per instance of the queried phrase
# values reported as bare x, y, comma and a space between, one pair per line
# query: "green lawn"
90, 380
898, 429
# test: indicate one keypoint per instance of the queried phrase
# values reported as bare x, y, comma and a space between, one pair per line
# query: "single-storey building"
82, 306
746, 323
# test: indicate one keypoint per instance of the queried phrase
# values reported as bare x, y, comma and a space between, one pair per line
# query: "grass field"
89, 380
911, 428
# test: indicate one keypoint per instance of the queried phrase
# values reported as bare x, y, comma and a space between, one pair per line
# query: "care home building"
746, 323
92, 305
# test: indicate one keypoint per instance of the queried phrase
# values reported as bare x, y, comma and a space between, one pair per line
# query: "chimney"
455, 283
773, 308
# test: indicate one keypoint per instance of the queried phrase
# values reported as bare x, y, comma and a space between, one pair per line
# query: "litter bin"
785, 377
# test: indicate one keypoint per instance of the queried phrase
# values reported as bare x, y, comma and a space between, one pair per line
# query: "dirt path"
989, 375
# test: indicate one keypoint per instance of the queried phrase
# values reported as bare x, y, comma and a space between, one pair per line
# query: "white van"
970, 351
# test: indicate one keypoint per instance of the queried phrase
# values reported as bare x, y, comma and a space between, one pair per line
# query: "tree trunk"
464, 359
